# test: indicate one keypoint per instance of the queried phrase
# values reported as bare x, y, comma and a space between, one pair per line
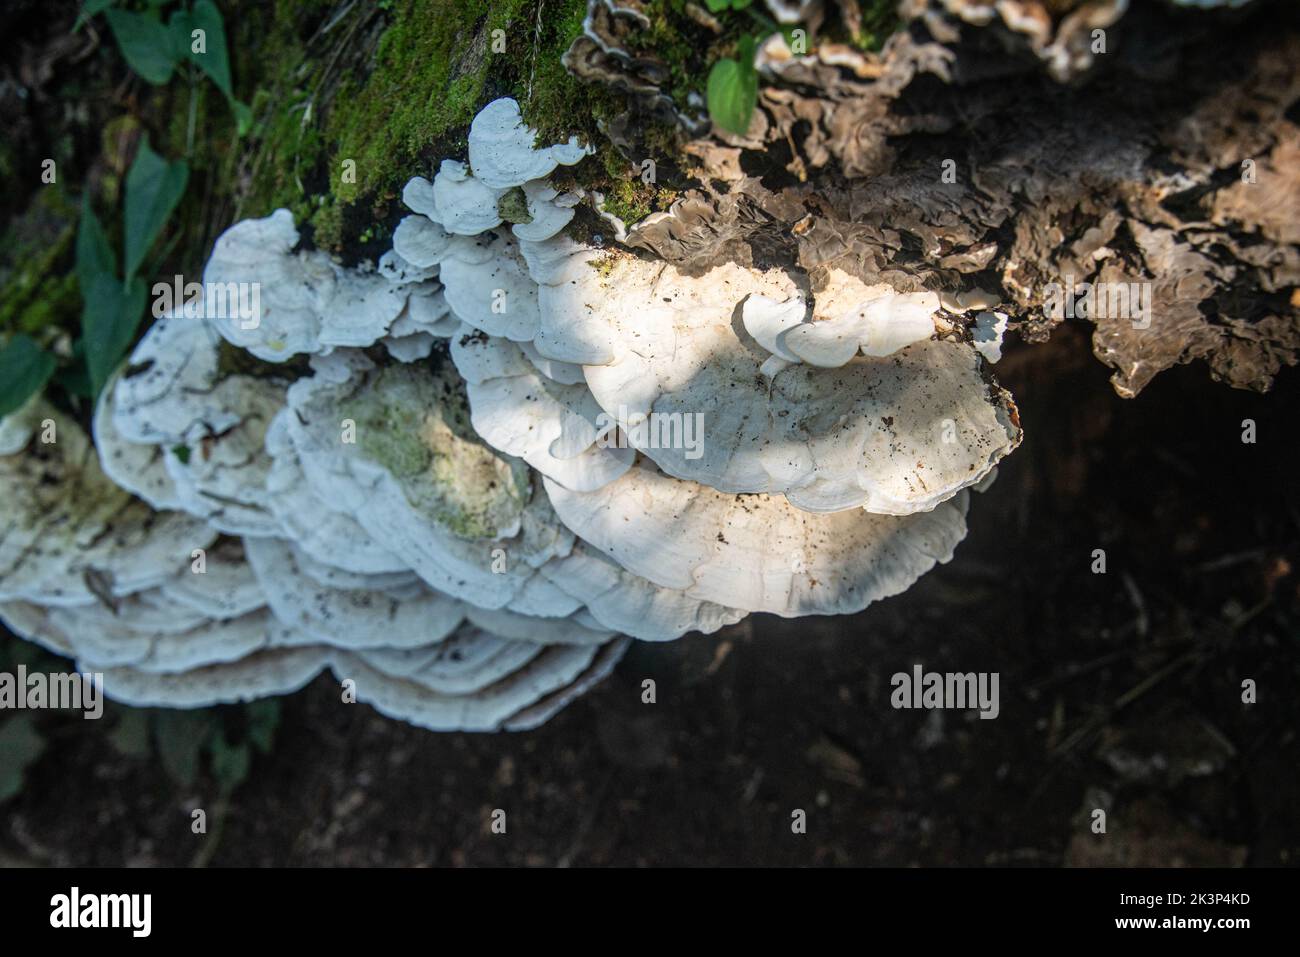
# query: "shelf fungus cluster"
464, 479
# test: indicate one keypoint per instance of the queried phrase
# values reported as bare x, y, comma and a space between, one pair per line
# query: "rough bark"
1170, 159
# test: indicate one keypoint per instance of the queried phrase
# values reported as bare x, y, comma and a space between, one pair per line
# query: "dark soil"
1119, 691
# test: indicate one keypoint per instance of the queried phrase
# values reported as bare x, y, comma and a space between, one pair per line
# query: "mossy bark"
349, 101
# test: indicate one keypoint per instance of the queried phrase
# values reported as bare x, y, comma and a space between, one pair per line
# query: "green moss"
513, 207
417, 426
276, 72
879, 20
686, 49
430, 74
38, 292
343, 122
627, 195
327, 223
552, 100
392, 435
232, 360
629, 200
604, 265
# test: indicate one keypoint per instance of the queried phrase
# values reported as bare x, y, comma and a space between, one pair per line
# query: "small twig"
1249, 615
189, 126
1135, 596
584, 826
537, 45
208, 849
1154, 679
338, 16
1086, 668
1227, 561
719, 656
1092, 724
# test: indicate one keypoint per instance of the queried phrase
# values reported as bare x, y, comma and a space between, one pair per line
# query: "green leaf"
24, 369
215, 62
230, 763
74, 378
88, 10
263, 719
746, 47
178, 34
108, 325
243, 116
181, 735
717, 6
110, 310
153, 188
732, 92
94, 252
20, 747
145, 43
131, 736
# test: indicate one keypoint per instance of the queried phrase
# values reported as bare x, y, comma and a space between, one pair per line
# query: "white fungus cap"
463, 204
470, 545
492, 700
139, 468
167, 386
142, 646
349, 618
549, 211
627, 603
275, 671
417, 480
226, 587
757, 552
401, 272
421, 242
306, 303
71, 536
427, 311
564, 271
519, 411
850, 318
487, 286
987, 334
310, 520
468, 660
221, 475
699, 394
502, 152
260, 251
565, 373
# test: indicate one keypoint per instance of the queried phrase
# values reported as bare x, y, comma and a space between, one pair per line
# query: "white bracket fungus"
277, 303
502, 152
757, 552
519, 411
470, 532
863, 409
